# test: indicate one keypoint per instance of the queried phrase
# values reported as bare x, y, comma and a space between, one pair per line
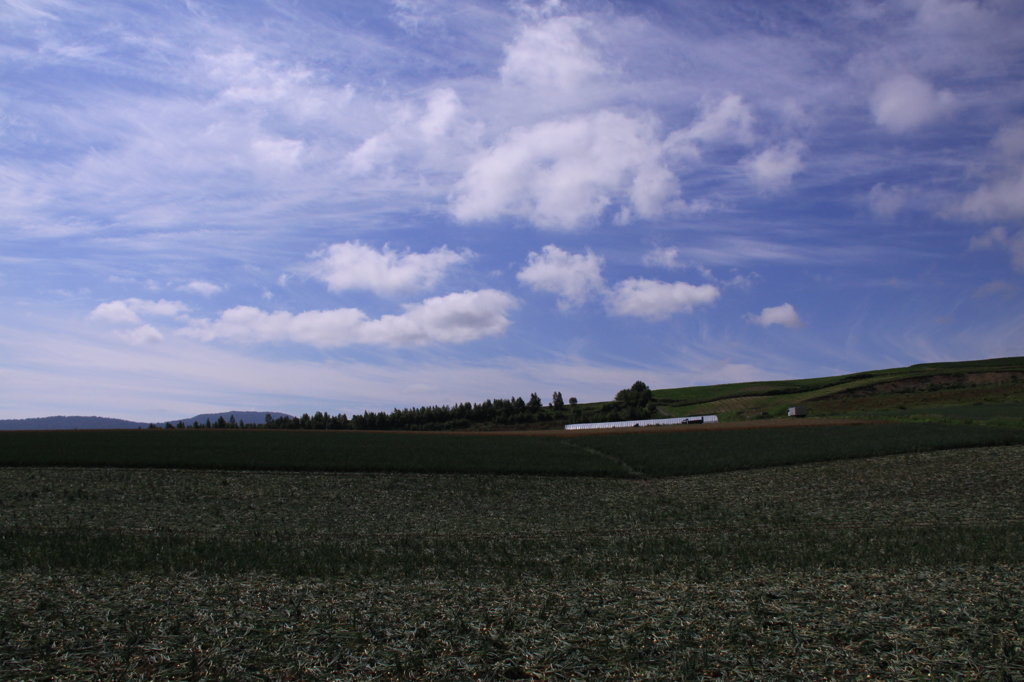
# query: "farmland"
677, 451
996, 384
897, 566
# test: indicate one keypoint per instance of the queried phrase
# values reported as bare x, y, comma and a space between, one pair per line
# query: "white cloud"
139, 336
662, 257
784, 314
572, 277
655, 300
198, 286
996, 288
245, 79
1009, 141
1001, 199
129, 310
353, 265
772, 170
886, 202
562, 174
455, 318
1004, 197
727, 120
433, 133
443, 107
999, 237
904, 103
551, 54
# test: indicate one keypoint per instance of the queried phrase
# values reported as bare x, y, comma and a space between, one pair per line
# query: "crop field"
682, 450
907, 566
939, 384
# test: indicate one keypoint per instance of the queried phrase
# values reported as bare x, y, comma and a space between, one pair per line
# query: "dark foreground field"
906, 566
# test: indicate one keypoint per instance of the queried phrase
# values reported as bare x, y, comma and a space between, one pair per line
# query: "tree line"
635, 402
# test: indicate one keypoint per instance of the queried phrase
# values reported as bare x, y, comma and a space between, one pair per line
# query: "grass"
299, 451
700, 452
895, 567
838, 394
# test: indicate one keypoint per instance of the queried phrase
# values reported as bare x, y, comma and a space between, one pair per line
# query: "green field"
634, 453
949, 384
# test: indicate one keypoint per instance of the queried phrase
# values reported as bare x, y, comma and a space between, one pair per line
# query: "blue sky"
335, 206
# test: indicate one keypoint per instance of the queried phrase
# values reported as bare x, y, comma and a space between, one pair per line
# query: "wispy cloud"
129, 310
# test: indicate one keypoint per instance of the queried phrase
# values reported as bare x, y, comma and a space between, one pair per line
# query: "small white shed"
798, 411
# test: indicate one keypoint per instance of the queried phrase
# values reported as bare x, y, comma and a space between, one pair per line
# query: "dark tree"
638, 395
557, 402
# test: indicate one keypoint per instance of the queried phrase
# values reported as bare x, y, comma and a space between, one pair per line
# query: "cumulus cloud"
570, 276
353, 265
772, 170
999, 237
198, 286
904, 103
784, 315
129, 310
551, 54
656, 300
455, 318
562, 174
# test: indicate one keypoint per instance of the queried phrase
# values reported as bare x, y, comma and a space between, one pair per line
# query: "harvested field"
897, 567
957, 623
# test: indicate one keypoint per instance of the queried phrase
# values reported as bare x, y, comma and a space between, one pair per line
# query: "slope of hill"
993, 389
67, 423
72, 423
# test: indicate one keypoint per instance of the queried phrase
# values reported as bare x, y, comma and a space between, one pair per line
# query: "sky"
343, 206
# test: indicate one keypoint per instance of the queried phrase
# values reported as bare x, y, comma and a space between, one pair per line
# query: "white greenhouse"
705, 419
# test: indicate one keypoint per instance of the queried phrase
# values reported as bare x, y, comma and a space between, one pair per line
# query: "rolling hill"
978, 390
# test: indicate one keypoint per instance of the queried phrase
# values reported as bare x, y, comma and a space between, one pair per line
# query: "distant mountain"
67, 423
247, 417
73, 423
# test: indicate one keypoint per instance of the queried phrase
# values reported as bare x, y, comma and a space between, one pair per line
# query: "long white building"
705, 419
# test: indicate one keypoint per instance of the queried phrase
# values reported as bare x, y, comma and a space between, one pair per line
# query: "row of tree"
630, 403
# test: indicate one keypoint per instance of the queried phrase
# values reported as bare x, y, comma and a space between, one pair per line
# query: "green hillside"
985, 390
